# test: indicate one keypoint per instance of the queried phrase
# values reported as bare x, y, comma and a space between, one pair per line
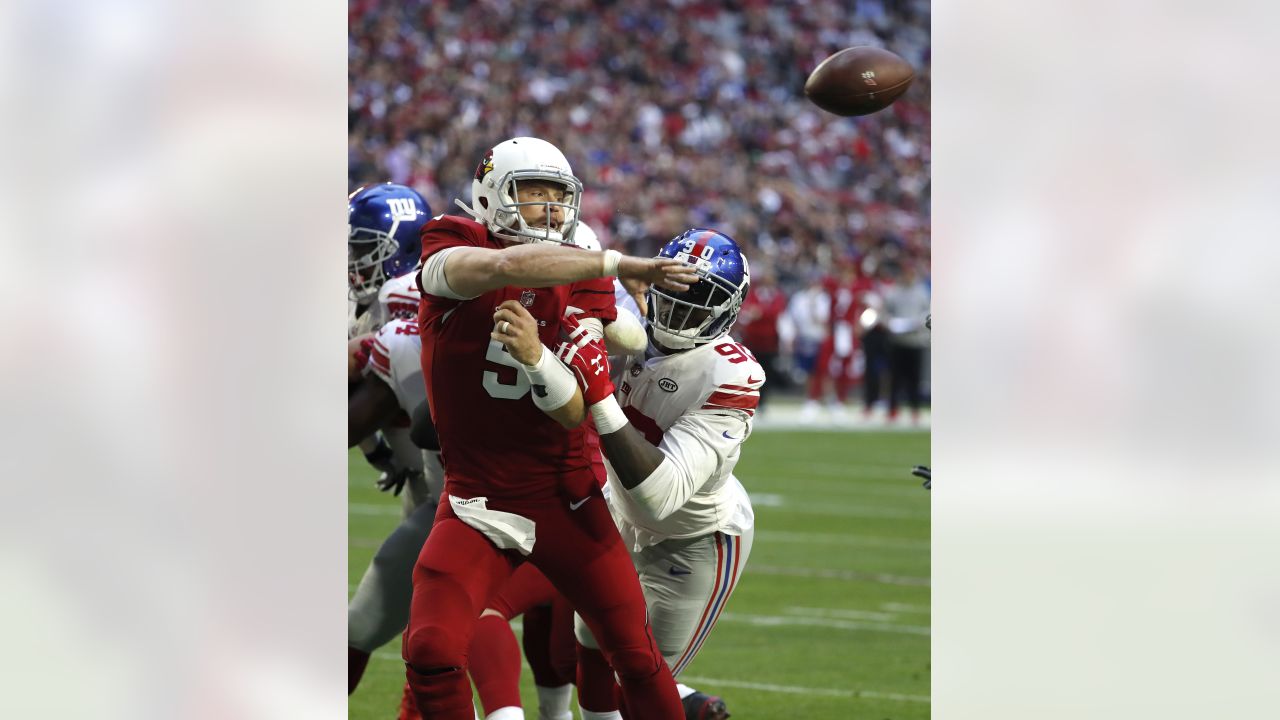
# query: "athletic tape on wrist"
612, 258
556, 381
608, 416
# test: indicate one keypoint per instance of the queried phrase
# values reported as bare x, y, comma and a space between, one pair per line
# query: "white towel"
506, 530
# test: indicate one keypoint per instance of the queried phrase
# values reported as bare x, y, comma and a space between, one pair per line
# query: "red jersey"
494, 441
757, 325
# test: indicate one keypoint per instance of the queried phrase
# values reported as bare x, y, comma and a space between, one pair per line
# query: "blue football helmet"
710, 306
384, 223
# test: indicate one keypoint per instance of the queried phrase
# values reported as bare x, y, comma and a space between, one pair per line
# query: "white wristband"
608, 416
612, 258
554, 378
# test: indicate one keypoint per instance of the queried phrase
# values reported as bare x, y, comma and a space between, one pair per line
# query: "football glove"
394, 482
923, 471
381, 457
588, 360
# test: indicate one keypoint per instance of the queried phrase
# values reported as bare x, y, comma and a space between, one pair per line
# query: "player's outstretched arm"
661, 479
554, 390
633, 457
472, 271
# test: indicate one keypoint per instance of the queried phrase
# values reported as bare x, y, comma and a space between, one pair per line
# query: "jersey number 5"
495, 387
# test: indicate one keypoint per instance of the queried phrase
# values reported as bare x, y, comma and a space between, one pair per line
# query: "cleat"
700, 706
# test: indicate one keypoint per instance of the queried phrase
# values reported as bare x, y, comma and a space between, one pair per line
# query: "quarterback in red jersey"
519, 484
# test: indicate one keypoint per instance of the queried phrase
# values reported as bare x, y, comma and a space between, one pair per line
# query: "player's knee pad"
435, 645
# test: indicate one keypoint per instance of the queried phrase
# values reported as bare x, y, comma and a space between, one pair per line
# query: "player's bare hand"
515, 328
675, 275
637, 289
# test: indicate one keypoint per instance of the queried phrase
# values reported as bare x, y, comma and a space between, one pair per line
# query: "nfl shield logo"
526, 298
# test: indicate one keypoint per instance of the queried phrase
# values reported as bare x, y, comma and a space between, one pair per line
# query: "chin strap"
469, 210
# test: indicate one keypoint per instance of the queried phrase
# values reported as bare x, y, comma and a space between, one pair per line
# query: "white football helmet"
493, 191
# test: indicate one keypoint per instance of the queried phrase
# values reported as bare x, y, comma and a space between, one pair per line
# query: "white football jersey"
697, 407
395, 358
398, 298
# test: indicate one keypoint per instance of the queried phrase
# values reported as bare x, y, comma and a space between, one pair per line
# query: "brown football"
858, 81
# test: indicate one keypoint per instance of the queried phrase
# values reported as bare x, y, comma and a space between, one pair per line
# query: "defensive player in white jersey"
383, 244
672, 436
386, 389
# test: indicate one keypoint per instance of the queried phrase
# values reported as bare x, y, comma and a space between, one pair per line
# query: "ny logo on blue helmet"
710, 306
384, 223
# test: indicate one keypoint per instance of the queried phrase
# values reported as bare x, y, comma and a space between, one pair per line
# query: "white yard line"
797, 690
805, 538
852, 575
371, 509
905, 608
844, 470
788, 621
763, 687
851, 509
840, 613
768, 500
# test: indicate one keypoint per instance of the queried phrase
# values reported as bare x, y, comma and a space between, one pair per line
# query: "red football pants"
460, 571
840, 368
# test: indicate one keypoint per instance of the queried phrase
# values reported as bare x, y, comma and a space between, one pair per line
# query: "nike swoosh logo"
727, 436
679, 571
753, 381
576, 505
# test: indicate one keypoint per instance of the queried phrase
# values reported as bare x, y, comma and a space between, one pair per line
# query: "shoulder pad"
737, 378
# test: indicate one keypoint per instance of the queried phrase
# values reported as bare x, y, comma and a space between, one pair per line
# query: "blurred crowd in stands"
676, 114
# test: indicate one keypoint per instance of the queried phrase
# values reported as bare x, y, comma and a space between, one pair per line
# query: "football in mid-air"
858, 81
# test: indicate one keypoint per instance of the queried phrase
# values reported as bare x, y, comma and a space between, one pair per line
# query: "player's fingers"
518, 310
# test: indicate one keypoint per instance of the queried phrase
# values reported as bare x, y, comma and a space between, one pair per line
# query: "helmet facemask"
367, 250
508, 223
696, 316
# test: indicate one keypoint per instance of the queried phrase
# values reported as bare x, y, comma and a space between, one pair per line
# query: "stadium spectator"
674, 114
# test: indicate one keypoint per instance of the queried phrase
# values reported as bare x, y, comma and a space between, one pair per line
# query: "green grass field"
831, 618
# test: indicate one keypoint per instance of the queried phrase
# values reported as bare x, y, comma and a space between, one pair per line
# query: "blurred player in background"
671, 443
757, 325
906, 305
839, 358
520, 484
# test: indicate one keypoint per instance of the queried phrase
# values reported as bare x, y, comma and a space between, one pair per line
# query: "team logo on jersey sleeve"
635, 370
527, 297
668, 384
